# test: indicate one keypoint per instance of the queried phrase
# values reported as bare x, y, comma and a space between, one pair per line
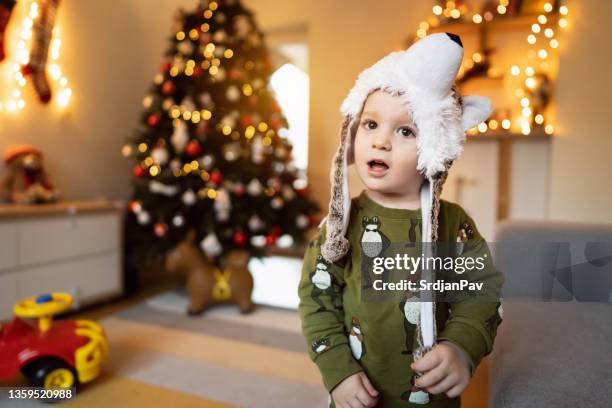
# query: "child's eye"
369, 124
406, 131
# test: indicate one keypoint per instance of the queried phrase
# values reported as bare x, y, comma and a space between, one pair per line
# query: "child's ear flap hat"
423, 75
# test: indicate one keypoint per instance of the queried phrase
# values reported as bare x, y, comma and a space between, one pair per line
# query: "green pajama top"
346, 335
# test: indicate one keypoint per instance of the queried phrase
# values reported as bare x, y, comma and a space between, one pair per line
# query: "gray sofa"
554, 347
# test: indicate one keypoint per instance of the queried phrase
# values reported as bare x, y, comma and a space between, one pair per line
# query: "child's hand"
446, 370
355, 391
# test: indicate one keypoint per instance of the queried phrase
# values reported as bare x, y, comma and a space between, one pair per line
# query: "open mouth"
378, 165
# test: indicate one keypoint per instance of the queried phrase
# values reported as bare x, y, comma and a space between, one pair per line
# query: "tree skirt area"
159, 356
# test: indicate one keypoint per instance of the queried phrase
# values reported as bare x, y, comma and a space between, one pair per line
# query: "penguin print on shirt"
356, 339
411, 311
323, 282
373, 244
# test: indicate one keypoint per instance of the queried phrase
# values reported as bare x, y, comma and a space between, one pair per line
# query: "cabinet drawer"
43, 240
8, 295
86, 279
8, 245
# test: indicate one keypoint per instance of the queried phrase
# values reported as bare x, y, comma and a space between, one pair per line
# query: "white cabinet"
72, 247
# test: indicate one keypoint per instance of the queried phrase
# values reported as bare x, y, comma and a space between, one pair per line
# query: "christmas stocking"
6, 7
43, 31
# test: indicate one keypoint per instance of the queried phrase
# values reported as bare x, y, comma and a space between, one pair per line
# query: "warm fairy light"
482, 127
455, 13
515, 70
539, 119
226, 130
554, 43
421, 33
549, 32
493, 124
542, 54
501, 9
180, 36
529, 71
477, 57
477, 18
437, 10
228, 53
530, 83
506, 124
531, 39
548, 7
562, 23
142, 147
549, 129
526, 112
563, 10
535, 28
524, 102
542, 19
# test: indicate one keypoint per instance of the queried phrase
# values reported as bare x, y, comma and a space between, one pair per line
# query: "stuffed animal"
208, 284
26, 181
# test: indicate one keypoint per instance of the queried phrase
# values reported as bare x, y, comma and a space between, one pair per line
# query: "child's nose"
381, 141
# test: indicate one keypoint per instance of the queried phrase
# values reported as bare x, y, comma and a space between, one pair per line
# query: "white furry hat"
423, 75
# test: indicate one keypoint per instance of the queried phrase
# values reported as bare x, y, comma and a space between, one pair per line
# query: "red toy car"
52, 355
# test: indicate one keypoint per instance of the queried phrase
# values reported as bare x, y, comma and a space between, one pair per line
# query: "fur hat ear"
336, 245
476, 109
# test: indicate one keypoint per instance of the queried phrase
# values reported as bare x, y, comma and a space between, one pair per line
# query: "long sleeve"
472, 324
320, 309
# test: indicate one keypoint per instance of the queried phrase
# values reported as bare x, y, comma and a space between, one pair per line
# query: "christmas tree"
208, 154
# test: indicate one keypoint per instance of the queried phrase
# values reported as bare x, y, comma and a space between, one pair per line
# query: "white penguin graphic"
412, 311
371, 238
419, 397
356, 340
321, 278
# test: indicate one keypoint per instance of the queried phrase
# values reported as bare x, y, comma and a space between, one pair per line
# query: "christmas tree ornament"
160, 229
284, 241
211, 245
302, 221
168, 87
258, 241
193, 149
180, 135
232, 94
256, 223
6, 9
143, 217
240, 238
153, 119
157, 187
239, 189
138, 171
277, 203
254, 187
207, 161
270, 239
178, 220
278, 167
36, 67
222, 205
134, 206
160, 155
189, 197
216, 177
288, 192
257, 150
164, 67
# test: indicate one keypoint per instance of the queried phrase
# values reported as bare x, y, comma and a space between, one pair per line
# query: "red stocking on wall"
6, 7
43, 31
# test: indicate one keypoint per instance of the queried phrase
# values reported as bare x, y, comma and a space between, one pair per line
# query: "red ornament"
239, 189
246, 120
193, 148
270, 240
216, 177
168, 87
302, 192
165, 67
276, 231
240, 238
138, 171
274, 123
153, 119
160, 229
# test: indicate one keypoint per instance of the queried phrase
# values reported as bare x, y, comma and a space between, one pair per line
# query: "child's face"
387, 133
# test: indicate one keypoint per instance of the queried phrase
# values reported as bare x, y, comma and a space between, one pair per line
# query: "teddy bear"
26, 181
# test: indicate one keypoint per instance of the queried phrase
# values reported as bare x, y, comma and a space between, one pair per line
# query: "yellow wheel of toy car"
43, 305
59, 378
